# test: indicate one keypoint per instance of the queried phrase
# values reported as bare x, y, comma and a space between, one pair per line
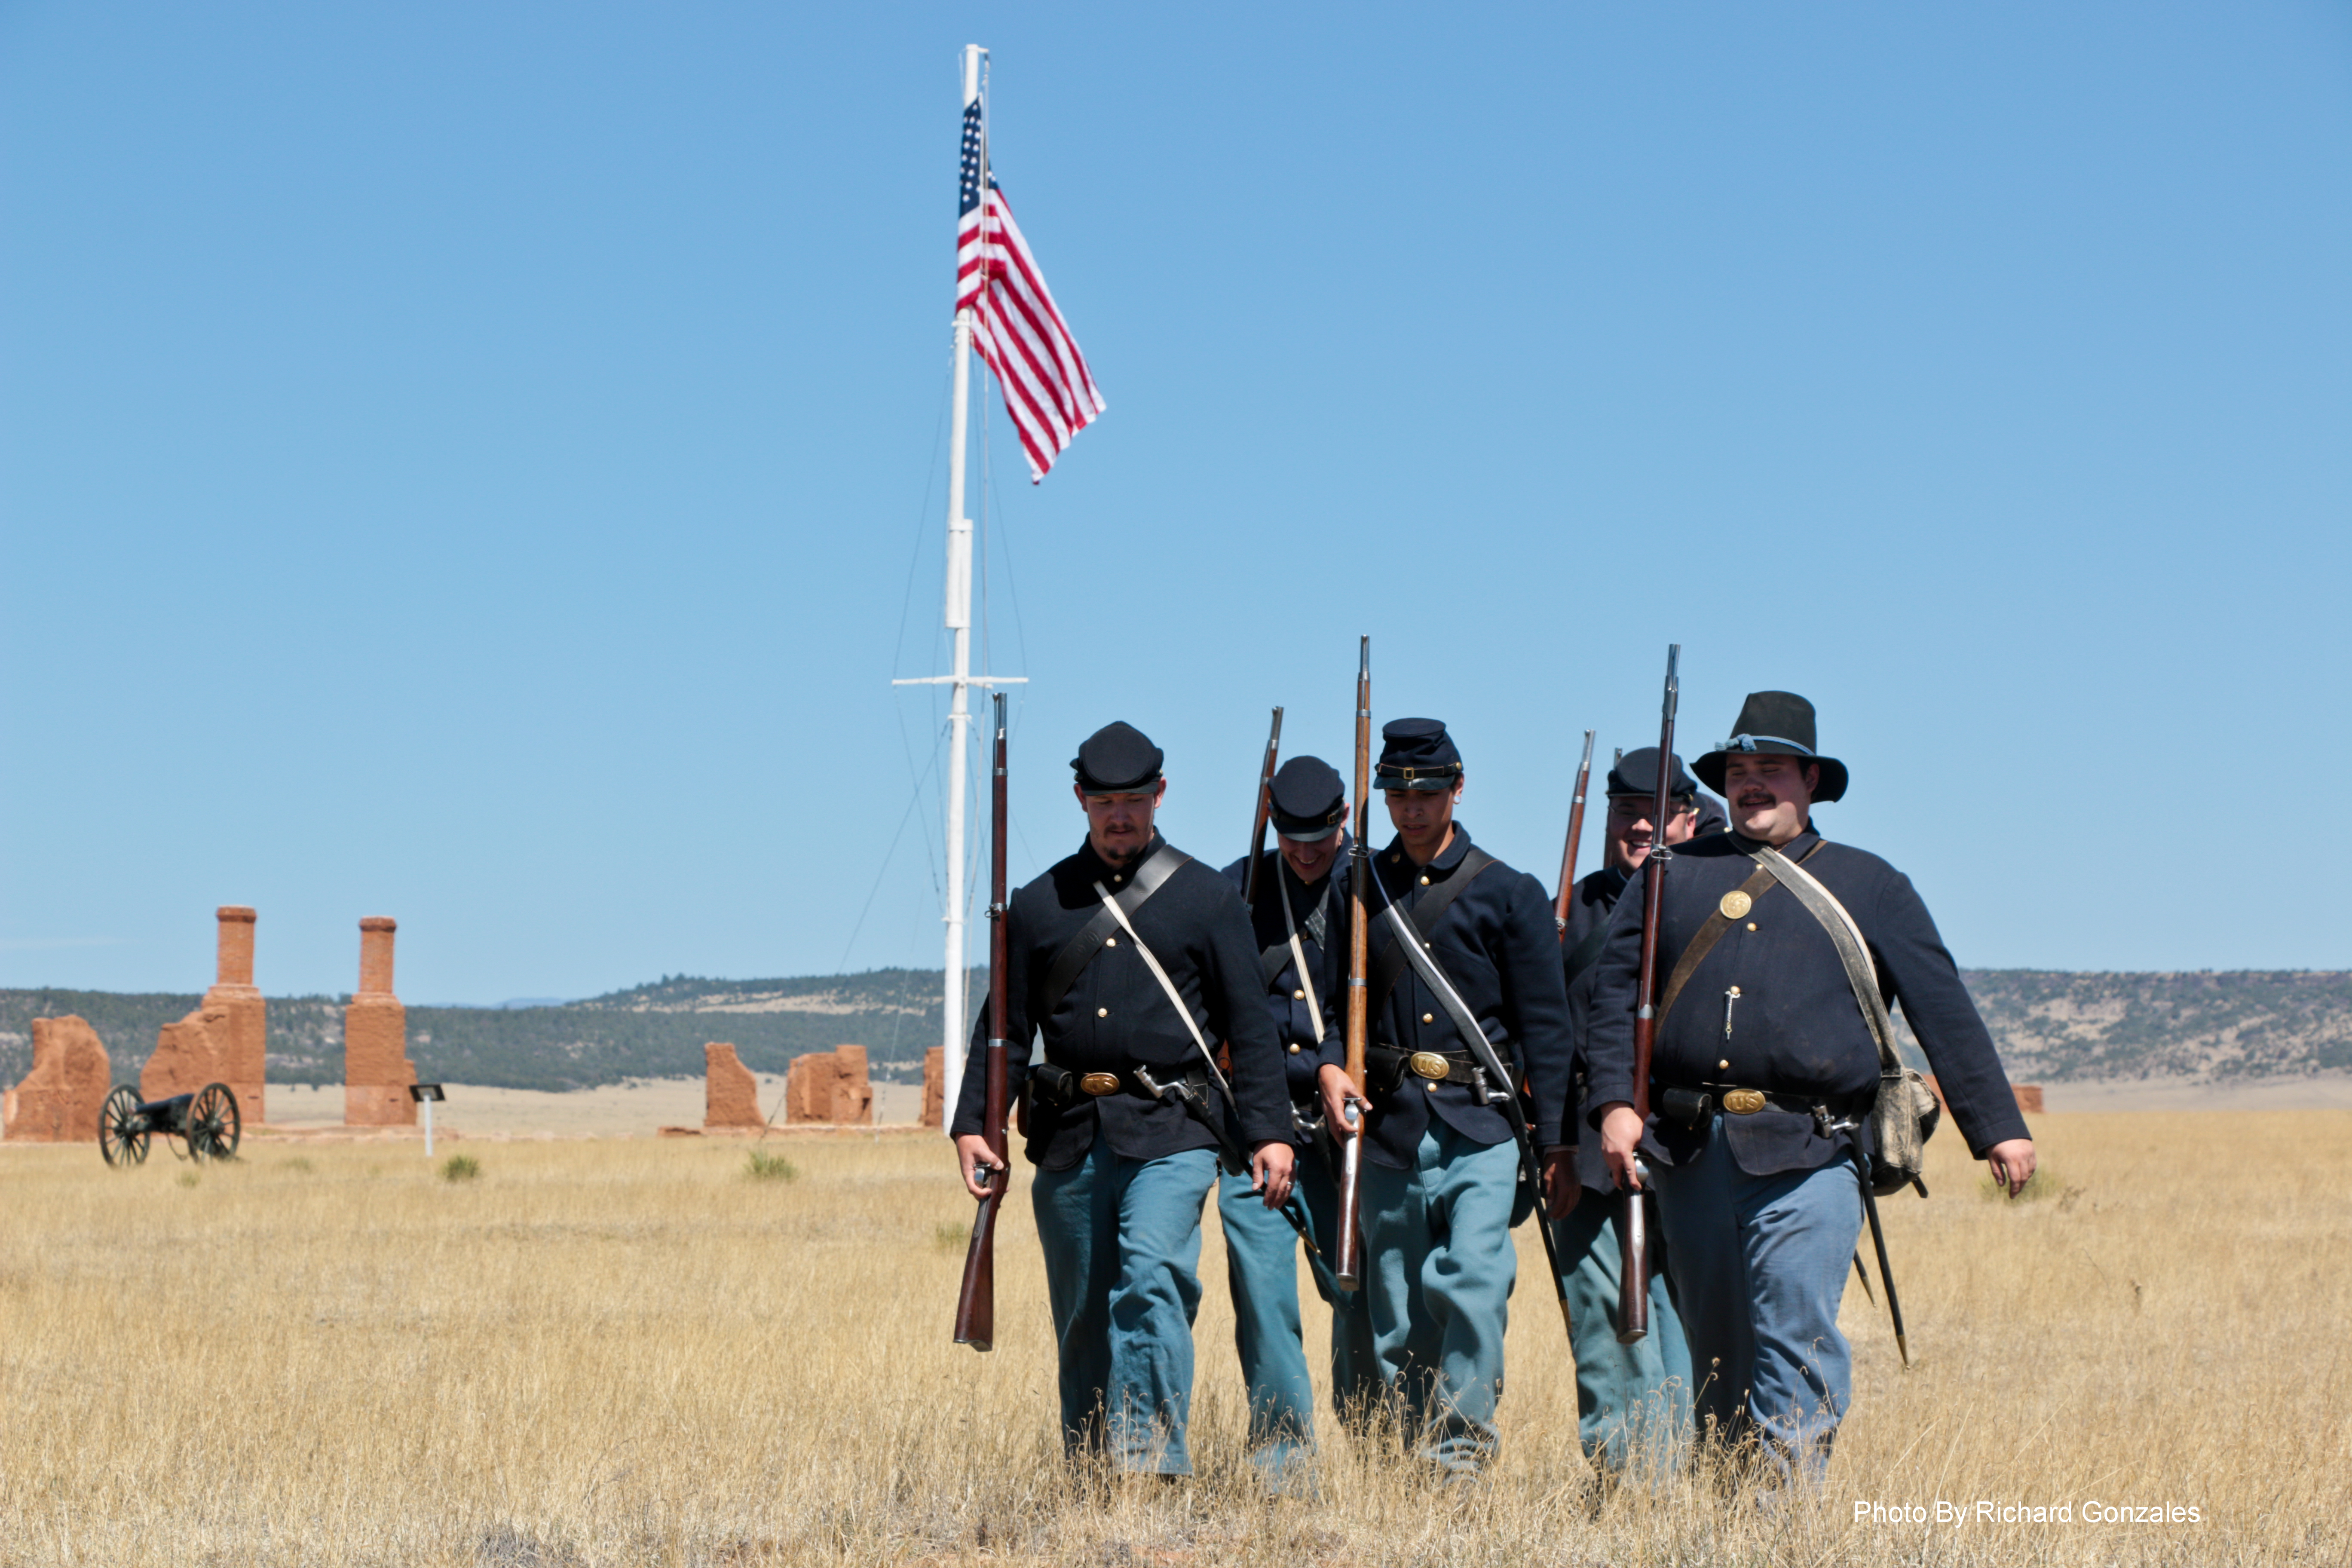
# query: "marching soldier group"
1167, 1040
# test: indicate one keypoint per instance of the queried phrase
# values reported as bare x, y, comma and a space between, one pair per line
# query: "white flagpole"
957, 618
958, 621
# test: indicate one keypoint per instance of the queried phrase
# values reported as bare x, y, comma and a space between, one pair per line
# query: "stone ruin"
58, 1100
730, 1095
935, 1087
830, 1086
225, 1037
189, 1055
2029, 1096
376, 1069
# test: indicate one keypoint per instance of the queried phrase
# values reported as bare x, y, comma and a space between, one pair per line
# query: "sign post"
424, 1094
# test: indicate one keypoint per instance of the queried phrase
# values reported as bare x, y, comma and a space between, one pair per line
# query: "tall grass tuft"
460, 1168
763, 1166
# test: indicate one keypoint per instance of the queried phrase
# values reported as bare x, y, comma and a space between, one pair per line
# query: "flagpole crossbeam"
964, 681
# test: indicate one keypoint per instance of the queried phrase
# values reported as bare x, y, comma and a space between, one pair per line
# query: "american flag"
1020, 335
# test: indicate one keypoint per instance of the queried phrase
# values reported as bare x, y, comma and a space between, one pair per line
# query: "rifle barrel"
1348, 1247
1559, 906
975, 1319
1265, 810
1633, 1221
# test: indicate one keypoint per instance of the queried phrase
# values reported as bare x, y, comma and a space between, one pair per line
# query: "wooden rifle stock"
1348, 1248
1634, 1218
975, 1318
1559, 906
1265, 810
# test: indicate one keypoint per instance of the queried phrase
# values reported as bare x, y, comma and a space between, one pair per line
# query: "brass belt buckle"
1743, 1102
1100, 1083
1429, 1064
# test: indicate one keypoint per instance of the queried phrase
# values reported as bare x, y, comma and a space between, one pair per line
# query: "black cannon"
206, 1121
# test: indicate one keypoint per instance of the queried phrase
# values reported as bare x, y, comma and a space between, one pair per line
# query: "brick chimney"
245, 1042
376, 1069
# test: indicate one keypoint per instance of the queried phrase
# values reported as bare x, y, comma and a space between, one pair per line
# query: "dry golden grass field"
626, 1352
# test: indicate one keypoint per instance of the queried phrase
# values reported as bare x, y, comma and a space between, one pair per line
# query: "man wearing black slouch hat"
1765, 1070
1124, 959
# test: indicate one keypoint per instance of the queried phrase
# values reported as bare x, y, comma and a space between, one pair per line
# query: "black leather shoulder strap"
1389, 964
1080, 950
1273, 960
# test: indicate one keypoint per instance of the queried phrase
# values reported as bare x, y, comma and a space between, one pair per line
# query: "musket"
975, 1317
1633, 1220
1575, 832
1265, 810
1348, 1247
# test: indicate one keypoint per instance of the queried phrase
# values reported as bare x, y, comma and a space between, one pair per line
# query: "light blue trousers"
1630, 1400
1262, 1254
1440, 1266
1759, 1267
1122, 1243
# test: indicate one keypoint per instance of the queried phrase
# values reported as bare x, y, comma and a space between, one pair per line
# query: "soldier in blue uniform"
1123, 1166
1634, 1398
1441, 1172
1302, 953
1763, 1064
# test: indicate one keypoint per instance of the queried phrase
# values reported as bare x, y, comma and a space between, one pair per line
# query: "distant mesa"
58, 1100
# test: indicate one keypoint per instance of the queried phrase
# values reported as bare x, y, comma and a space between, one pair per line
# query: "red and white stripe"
1020, 335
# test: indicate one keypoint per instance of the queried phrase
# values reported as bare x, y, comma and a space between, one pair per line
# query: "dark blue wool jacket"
1796, 1029
1320, 913
1587, 916
1499, 946
1115, 1014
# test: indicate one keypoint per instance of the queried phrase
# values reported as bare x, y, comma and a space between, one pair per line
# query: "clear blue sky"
479, 464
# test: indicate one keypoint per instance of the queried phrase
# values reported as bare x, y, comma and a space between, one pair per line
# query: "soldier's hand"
1560, 1185
972, 1149
1337, 1089
1620, 1145
2012, 1164
1270, 1173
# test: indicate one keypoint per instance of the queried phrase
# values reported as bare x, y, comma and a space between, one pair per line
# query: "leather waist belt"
1691, 1106
1390, 1065
1064, 1087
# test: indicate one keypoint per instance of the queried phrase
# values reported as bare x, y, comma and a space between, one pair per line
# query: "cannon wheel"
213, 1125
122, 1133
